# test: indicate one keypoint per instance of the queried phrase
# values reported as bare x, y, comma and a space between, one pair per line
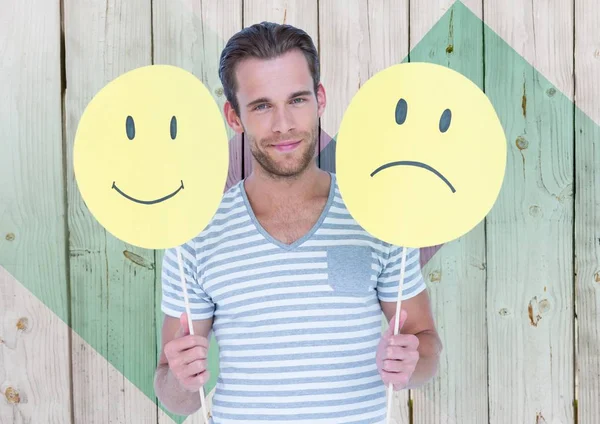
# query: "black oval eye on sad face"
445, 120
173, 128
130, 127
401, 111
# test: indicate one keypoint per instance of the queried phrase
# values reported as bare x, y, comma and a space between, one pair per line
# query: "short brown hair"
265, 40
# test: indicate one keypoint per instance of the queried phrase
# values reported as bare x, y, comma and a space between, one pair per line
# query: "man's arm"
167, 387
419, 322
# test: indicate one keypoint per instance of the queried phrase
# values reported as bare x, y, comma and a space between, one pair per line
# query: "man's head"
270, 76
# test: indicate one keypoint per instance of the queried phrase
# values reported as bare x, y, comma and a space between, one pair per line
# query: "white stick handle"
190, 325
396, 327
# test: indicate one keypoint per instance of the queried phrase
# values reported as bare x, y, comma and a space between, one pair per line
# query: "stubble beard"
282, 171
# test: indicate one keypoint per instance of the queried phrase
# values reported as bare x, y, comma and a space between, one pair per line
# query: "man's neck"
267, 192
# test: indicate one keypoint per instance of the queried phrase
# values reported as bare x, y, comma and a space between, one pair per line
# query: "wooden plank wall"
529, 233
587, 210
517, 300
32, 210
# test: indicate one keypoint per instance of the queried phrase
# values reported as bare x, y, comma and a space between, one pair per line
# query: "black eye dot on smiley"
445, 120
401, 111
130, 127
173, 128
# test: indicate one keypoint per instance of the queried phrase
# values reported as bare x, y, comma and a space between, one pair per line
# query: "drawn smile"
418, 164
147, 202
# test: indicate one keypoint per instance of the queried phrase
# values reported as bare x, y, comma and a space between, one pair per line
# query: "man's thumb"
184, 328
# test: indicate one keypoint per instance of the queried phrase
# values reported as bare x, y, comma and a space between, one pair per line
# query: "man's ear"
321, 99
232, 118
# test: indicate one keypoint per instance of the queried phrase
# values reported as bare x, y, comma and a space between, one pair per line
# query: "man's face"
279, 112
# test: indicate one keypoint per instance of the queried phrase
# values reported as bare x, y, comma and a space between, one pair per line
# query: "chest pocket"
349, 270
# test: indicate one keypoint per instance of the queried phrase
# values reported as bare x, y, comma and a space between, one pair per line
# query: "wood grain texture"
475, 6
134, 406
32, 229
522, 23
34, 358
587, 207
432, 12
544, 15
112, 283
36, 389
530, 229
299, 13
344, 53
34, 350
456, 275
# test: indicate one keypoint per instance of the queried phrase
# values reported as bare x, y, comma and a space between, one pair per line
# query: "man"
291, 285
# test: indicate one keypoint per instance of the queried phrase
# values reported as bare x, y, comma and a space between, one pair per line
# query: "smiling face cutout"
420, 155
151, 156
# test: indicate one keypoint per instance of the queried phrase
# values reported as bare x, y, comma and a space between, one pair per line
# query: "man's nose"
283, 120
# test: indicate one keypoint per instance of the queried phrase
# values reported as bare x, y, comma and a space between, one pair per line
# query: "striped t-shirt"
297, 325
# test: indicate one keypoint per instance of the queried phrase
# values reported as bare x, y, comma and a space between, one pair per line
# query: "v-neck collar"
306, 236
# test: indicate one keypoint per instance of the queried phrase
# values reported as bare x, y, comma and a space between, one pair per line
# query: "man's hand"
397, 356
186, 355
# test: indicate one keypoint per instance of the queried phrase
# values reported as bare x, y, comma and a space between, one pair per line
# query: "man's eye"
259, 107
300, 100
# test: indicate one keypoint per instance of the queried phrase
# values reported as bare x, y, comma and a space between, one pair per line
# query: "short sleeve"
389, 278
173, 301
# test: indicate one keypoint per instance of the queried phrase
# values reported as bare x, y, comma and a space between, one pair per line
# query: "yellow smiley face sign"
420, 155
151, 156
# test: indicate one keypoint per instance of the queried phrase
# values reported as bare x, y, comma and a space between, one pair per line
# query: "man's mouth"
146, 202
418, 164
286, 146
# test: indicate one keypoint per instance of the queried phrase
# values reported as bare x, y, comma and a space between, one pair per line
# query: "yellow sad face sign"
151, 156
420, 155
